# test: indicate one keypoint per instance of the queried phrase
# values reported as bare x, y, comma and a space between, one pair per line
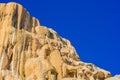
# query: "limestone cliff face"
29, 51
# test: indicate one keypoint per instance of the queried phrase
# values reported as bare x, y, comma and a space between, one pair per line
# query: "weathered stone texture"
29, 51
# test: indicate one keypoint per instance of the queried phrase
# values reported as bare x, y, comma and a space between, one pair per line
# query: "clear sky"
92, 26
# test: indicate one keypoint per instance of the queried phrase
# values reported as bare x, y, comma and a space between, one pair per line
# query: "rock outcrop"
29, 51
117, 77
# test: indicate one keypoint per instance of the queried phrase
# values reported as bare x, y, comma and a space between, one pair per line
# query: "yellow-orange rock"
29, 51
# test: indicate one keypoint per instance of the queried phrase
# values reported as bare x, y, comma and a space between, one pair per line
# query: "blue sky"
92, 26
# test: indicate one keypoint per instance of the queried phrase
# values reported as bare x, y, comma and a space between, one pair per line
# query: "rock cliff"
29, 51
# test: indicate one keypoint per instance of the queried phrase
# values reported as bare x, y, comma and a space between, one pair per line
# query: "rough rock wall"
29, 51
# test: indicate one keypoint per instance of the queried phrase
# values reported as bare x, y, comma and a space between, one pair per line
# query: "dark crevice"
15, 17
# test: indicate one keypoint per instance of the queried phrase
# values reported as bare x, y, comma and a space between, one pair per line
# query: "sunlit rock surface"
117, 77
29, 51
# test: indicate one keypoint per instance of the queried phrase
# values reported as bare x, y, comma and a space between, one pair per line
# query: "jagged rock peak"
29, 51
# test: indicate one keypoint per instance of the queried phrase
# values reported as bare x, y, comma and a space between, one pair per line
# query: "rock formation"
29, 51
117, 77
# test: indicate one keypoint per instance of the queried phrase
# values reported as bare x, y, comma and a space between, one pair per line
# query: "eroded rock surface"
29, 51
117, 77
